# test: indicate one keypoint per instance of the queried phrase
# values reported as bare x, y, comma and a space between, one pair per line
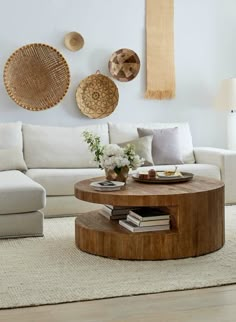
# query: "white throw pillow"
12, 159
11, 135
122, 132
165, 145
11, 154
143, 147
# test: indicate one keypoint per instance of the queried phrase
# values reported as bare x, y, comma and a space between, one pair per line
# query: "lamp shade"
227, 94
226, 99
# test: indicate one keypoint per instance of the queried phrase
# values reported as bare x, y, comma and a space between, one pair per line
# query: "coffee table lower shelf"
97, 235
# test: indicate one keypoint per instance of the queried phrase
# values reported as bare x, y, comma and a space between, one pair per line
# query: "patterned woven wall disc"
97, 96
124, 65
36, 77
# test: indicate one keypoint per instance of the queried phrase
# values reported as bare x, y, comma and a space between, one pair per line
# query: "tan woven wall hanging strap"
160, 49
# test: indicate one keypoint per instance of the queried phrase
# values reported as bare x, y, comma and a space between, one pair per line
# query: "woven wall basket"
74, 41
97, 96
124, 65
36, 77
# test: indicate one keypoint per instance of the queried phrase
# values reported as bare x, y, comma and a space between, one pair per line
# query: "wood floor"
216, 304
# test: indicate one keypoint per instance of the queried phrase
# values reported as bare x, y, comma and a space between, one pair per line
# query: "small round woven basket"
124, 65
74, 41
97, 96
36, 77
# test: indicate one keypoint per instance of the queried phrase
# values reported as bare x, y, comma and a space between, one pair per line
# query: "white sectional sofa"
48, 160
20, 202
21, 198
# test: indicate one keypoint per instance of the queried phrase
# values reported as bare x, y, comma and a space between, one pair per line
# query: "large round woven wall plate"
36, 76
124, 65
97, 96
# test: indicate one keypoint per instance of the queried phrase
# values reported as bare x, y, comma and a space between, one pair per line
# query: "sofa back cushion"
60, 147
11, 146
120, 132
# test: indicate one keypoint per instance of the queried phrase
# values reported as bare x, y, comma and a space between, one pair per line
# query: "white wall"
205, 53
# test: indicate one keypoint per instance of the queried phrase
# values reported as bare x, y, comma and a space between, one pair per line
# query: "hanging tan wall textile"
160, 49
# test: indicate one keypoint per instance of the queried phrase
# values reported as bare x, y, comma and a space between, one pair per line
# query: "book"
107, 185
135, 229
112, 217
140, 223
117, 207
106, 188
116, 211
147, 214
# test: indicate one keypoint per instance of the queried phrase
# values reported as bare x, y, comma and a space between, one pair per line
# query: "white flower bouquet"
112, 156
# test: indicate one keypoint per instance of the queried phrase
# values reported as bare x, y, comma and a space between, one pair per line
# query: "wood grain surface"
142, 194
196, 216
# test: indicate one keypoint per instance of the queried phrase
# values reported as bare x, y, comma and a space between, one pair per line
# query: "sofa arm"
226, 161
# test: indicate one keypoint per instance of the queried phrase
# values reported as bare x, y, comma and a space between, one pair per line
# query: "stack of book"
146, 219
114, 212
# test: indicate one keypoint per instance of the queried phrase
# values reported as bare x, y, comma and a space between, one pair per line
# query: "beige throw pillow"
12, 159
165, 145
143, 147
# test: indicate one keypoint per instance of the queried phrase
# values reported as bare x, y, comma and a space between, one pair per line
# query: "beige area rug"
37, 271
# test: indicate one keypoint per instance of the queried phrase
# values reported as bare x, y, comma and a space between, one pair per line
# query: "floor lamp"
227, 100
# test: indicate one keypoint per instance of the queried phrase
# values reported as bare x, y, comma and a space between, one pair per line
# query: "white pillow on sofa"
143, 148
11, 135
12, 159
122, 132
165, 145
11, 146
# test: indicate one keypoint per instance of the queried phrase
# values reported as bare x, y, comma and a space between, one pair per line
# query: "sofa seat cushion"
20, 194
206, 170
60, 182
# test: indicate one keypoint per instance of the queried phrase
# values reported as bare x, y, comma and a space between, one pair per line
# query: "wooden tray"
186, 176
36, 77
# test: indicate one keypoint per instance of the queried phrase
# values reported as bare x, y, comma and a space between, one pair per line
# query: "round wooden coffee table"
196, 216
